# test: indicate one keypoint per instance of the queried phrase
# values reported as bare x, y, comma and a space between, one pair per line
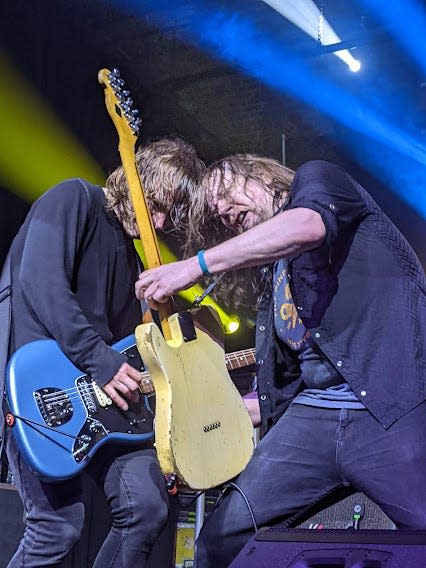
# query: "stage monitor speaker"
344, 509
303, 548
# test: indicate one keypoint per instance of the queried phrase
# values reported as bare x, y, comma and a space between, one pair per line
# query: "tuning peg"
115, 78
135, 129
114, 72
119, 83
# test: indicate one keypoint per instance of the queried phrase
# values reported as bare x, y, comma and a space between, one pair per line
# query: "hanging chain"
320, 23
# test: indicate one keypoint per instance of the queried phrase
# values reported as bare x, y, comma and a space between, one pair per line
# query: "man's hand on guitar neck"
125, 382
157, 285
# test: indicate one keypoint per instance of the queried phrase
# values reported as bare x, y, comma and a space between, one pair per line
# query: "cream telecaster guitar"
203, 431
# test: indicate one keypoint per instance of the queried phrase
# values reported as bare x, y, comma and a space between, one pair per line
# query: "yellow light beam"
36, 150
230, 323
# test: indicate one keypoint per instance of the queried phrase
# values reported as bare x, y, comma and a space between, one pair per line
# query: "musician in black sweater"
73, 269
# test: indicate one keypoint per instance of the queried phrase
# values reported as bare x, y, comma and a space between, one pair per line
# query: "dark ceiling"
60, 45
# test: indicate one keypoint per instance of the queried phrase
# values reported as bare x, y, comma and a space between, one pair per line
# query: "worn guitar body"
203, 432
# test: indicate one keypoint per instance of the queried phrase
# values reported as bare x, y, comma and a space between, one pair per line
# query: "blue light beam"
406, 21
235, 39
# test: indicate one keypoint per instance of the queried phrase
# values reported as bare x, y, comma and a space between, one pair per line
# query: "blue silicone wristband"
202, 263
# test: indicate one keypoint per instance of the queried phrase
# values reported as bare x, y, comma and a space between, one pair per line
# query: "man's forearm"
288, 233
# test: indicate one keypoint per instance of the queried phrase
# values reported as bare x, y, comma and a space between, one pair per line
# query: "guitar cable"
40, 425
186, 503
246, 501
225, 488
197, 301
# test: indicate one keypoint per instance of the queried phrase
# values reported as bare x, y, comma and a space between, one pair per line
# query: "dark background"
58, 47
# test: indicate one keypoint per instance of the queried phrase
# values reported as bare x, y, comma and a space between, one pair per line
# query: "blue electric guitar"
61, 417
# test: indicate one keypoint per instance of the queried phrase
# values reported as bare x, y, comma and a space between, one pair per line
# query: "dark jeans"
54, 513
309, 453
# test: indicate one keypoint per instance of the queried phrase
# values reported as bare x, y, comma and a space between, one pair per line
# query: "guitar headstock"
120, 105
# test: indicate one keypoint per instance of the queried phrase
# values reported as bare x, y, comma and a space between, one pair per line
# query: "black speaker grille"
341, 515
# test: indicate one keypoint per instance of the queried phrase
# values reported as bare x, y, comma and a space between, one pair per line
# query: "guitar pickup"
187, 326
103, 399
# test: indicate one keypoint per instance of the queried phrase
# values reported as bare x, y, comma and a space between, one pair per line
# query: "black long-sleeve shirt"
73, 274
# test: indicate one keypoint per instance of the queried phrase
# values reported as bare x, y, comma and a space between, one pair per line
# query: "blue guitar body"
61, 416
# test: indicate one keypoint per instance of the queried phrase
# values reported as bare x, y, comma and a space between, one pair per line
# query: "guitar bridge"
54, 406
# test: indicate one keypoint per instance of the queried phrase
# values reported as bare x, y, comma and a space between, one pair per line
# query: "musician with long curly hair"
341, 393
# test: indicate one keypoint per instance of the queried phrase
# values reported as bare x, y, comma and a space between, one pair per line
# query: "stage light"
355, 66
230, 323
36, 149
233, 324
308, 17
374, 126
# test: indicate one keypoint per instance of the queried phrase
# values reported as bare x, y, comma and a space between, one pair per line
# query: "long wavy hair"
171, 173
239, 288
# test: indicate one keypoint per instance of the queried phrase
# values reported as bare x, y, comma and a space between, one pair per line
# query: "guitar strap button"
10, 419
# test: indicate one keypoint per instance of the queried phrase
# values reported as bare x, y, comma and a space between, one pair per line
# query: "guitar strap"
5, 324
147, 313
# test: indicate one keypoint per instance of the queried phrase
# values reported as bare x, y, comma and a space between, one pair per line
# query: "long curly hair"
239, 288
171, 173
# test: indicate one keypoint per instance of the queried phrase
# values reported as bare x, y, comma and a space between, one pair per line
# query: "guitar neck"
234, 360
143, 218
239, 359
145, 225
119, 107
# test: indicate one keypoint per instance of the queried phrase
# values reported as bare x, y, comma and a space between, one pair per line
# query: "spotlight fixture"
232, 325
355, 66
308, 17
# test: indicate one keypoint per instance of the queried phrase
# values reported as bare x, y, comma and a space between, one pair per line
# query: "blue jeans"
311, 452
54, 513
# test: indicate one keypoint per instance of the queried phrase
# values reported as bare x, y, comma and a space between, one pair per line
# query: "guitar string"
145, 375
73, 394
67, 394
